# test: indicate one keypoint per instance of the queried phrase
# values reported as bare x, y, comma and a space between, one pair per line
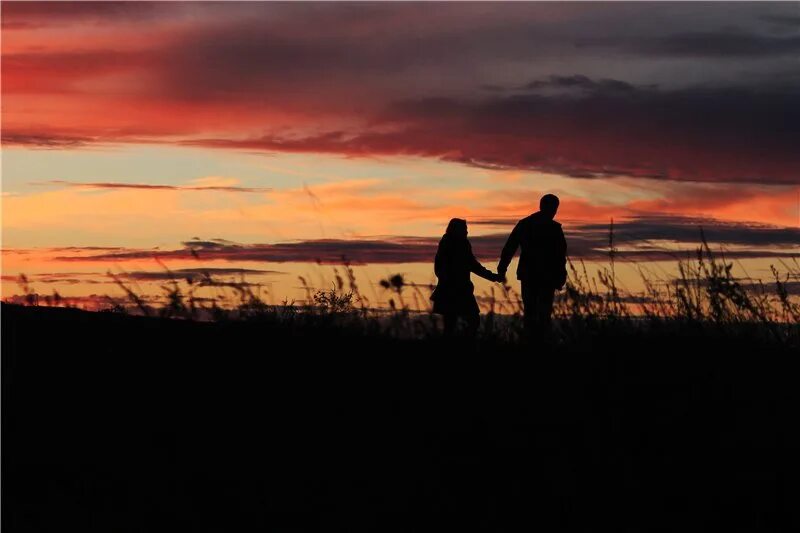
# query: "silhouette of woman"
453, 296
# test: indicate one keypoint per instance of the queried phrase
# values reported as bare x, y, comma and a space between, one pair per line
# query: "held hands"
498, 278
501, 275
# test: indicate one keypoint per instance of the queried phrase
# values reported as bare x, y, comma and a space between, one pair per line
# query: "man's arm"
561, 257
509, 250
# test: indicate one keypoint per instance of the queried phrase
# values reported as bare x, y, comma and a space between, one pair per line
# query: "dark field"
122, 423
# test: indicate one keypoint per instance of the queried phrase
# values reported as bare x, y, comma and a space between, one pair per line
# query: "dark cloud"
688, 230
724, 44
46, 140
718, 43
756, 286
37, 14
302, 73
68, 281
193, 274
610, 128
579, 81
61, 278
94, 302
320, 49
332, 251
500, 221
200, 275
639, 238
783, 20
200, 244
792, 287
149, 186
85, 248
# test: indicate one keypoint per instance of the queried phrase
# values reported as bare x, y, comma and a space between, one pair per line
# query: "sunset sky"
260, 139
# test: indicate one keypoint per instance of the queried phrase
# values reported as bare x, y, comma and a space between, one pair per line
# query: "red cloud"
384, 80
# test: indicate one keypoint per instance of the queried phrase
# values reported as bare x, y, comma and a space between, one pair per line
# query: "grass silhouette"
668, 411
706, 298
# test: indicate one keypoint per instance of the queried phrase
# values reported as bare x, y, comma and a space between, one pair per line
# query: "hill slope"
120, 423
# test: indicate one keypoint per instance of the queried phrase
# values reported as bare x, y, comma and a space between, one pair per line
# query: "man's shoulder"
538, 220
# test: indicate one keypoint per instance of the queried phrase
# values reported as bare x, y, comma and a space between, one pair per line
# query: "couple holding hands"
541, 270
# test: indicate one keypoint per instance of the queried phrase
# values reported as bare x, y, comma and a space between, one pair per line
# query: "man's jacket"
543, 258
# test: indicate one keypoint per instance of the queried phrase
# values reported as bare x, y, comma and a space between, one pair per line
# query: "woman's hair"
457, 226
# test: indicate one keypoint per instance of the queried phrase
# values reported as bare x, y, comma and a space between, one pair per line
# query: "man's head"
548, 205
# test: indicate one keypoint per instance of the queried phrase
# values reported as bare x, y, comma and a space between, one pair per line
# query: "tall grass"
705, 296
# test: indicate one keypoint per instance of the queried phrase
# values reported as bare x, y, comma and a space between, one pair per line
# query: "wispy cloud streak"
641, 238
153, 187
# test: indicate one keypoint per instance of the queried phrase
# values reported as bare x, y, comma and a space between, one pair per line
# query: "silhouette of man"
542, 265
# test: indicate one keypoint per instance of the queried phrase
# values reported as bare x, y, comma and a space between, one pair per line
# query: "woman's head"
457, 228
